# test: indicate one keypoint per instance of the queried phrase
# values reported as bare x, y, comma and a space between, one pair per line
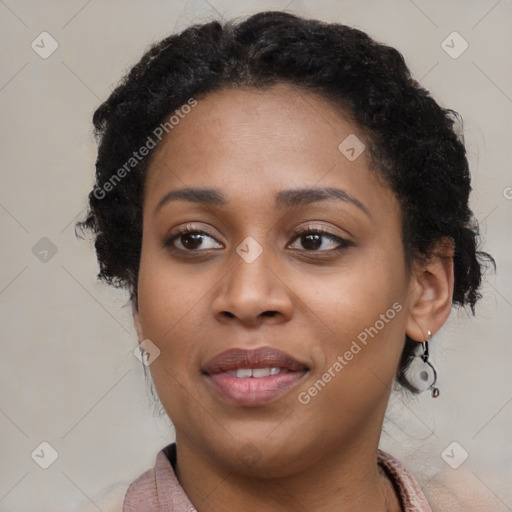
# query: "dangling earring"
420, 374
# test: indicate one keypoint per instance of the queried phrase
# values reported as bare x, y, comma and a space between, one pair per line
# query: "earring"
420, 374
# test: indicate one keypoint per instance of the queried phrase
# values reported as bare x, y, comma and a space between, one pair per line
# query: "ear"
137, 322
431, 292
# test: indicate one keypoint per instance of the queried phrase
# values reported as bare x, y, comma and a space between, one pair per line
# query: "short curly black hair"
416, 146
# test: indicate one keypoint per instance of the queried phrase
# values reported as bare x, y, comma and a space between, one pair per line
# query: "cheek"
168, 297
170, 307
352, 300
362, 313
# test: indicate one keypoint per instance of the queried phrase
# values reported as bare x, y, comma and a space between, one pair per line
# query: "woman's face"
280, 317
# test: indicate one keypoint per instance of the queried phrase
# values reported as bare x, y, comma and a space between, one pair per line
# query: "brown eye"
192, 240
315, 240
312, 241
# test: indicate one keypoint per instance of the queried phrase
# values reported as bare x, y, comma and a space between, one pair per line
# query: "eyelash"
343, 244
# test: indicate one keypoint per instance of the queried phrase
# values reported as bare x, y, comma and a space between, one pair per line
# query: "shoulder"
459, 491
109, 500
124, 496
449, 490
114, 498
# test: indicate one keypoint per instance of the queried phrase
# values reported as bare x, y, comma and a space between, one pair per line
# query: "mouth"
253, 377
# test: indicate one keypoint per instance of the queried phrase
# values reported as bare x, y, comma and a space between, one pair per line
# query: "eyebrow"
284, 199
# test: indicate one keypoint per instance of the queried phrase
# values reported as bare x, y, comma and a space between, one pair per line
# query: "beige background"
67, 372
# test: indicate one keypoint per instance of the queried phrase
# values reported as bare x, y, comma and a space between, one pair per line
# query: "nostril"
271, 314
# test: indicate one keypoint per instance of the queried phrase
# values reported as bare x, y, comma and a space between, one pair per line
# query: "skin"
301, 298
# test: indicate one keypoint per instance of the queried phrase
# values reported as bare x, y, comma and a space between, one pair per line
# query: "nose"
253, 293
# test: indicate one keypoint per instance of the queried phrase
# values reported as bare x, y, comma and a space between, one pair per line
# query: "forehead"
281, 109
256, 140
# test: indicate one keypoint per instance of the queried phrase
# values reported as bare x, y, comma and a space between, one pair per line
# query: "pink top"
158, 489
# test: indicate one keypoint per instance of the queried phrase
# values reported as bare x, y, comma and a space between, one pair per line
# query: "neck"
347, 480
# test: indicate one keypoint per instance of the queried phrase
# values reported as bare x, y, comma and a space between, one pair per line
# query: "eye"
319, 240
192, 239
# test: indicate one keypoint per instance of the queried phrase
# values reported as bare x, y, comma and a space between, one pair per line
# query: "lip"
253, 391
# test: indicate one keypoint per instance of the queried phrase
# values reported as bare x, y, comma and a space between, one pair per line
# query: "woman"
289, 211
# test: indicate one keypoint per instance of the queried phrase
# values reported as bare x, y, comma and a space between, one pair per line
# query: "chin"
261, 457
